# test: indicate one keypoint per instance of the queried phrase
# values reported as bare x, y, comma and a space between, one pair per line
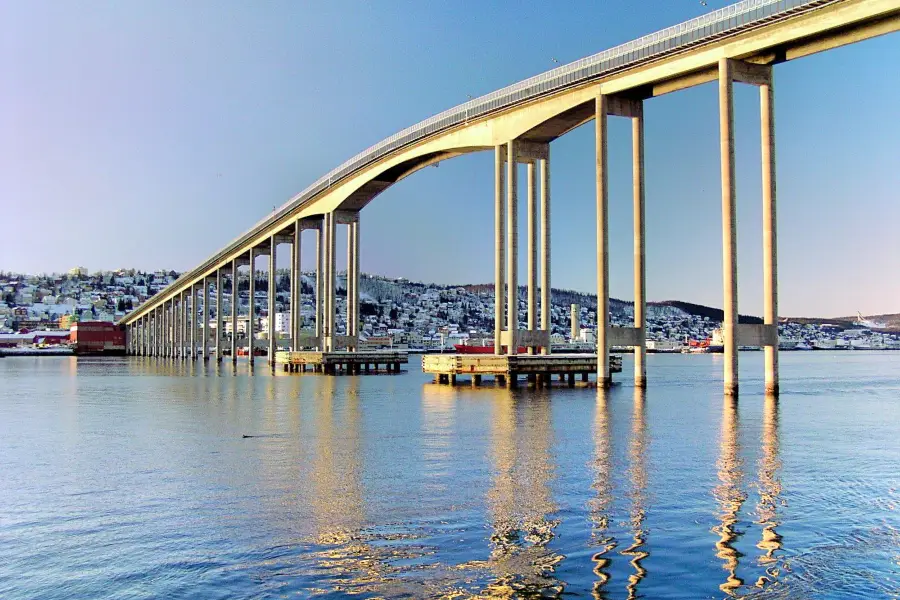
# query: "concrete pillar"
574, 322
193, 317
729, 225
546, 321
296, 285
251, 322
205, 319
234, 309
603, 375
167, 321
499, 250
356, 276
640, 276
182, 326
157, 332
770, 246
320, 284
512, 244
351, 257
220, 300
532, 250
273, 287
332, 281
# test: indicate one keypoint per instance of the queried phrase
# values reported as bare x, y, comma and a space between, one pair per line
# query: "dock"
506, 370
332, 363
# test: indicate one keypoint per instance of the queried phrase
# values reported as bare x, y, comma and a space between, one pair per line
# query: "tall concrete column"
546, 320
356, 277
296, 286
499, 250
320, 284
167, 321
770, 245
512, 243
234, 309
205, 321
157, 332
184, 325
532, 250
193, 325
251, 322
179, 326
351, 257
575, 322
603, 375
331, 281
729, 225
219, 321
273, 289
640, 277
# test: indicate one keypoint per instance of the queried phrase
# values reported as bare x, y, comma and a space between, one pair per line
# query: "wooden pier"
332, 363
506, 370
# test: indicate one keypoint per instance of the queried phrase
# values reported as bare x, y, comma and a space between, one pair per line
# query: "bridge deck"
538, 368
348, 362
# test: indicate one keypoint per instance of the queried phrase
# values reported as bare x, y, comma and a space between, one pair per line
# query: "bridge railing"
703, 29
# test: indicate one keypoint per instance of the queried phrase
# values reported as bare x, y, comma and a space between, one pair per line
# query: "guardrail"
706, 28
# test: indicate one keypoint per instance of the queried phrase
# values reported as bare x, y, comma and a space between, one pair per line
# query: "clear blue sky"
149, 134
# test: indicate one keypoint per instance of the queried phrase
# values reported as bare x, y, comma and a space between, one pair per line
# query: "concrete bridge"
740, 43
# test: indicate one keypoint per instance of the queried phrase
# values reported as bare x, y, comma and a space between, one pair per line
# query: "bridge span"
740, 43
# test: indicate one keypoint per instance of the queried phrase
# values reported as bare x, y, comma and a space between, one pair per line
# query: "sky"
151, 134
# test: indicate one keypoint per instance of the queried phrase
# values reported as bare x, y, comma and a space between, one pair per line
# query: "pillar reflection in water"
600, 504
729, 495
637, 471
769, 493
338, 504
520, 500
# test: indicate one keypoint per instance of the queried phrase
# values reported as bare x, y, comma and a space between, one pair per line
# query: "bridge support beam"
320, 284
512, 247
499, 249
219, 320
353, 279
729, 225
729, 72
602, 183
631, 336
204, 322
234, 309
507, 158
251, 321
546, 310
770, 245
192, 321
273, 289
330, 281
296, 286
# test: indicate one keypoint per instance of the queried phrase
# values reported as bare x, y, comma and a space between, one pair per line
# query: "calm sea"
135, 478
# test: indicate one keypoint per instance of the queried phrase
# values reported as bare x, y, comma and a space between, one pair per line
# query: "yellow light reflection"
600, 504
637, 453
769, 493
520, 500
729, 495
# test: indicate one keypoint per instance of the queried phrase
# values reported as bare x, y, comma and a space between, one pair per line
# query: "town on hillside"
38, 310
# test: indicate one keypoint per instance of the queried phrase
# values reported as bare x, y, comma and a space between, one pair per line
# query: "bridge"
740, 43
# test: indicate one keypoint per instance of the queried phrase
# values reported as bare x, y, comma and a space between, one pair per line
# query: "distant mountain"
713, 314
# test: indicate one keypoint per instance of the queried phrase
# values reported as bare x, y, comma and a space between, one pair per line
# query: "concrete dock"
506, 369
332, 363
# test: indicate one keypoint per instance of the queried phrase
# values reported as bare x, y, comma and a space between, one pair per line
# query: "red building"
97, 337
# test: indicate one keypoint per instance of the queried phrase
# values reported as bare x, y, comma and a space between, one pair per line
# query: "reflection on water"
602, 487
729, 494
141, 473
638, 479
768, 506
520, 500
